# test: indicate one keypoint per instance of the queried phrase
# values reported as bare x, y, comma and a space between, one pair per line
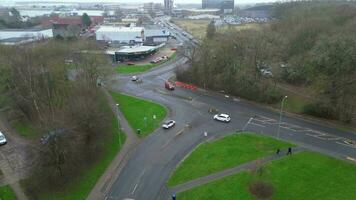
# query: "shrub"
319, 109
261, 190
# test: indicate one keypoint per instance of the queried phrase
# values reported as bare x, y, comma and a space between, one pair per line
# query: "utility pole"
118, 122
280, 115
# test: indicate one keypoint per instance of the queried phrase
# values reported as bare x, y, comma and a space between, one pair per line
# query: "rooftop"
136, 49
119, 29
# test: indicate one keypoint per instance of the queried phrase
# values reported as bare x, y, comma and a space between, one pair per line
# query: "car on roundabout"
2, 139
168, 124
134, 78
222, 117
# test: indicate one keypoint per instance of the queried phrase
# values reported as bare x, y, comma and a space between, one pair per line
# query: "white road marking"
133, 191
351, 146
351, 158
138, 181
285, 127
260, 125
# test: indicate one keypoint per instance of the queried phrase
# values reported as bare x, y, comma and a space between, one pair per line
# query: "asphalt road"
145, 174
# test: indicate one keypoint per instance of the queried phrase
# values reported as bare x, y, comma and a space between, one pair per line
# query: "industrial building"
168, 7
137, 52
131, 35
122, 35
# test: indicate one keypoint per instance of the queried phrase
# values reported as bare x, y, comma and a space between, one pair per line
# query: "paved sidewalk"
103, 185
212, 177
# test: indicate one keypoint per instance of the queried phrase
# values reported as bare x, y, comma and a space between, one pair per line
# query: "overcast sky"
130, 1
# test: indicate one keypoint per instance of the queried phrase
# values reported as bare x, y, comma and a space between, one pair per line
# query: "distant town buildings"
152, 7
23, 36
168, 7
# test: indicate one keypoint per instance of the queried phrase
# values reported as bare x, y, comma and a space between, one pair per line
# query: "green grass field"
197, 28
225, 153
81, 187
25, 129
6, 193
131, 69
139, 113
302, 176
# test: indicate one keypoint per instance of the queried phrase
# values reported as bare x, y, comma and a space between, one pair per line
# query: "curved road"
145, 175
150, 165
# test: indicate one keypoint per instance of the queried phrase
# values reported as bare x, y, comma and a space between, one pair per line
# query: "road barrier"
186, 86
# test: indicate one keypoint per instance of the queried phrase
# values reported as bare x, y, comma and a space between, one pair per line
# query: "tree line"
309, 44
53, 86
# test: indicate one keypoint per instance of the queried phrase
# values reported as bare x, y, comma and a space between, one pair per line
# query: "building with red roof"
70, 26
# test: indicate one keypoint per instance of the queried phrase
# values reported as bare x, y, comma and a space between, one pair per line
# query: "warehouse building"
120, 35
131, 35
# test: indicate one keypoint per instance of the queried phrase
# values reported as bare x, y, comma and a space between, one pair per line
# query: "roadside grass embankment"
140, 114
131, 69
305, 175
228, 152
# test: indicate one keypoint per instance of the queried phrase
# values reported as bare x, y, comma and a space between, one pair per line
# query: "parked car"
169, 85
222, 117
2, 139
168, 124
130, 63
266, 72
134, 78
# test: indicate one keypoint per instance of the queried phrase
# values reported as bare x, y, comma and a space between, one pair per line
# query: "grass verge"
139, 113
6, 193
131, 69
305, 175
231, 151
25, 129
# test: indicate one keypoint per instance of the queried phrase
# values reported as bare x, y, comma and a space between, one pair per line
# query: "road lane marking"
138, 181
133, 191
351, 158
348, 145
260, 125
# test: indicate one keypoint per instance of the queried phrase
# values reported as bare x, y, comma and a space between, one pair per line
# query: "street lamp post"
118, 122
249, 121
280, 115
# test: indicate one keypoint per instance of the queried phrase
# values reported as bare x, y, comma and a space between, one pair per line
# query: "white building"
120, 34
131, 35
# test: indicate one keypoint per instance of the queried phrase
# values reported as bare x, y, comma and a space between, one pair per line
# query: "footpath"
228, 172
105, 182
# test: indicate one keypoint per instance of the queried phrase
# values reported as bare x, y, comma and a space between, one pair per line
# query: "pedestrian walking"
289, 151
278, 151
174, 197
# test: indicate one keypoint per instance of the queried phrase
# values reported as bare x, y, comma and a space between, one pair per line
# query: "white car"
266, 72
134, 78
2, 139
168, 124
222, 117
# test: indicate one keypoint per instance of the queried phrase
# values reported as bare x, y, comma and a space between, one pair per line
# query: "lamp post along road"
118, 123
280, 115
